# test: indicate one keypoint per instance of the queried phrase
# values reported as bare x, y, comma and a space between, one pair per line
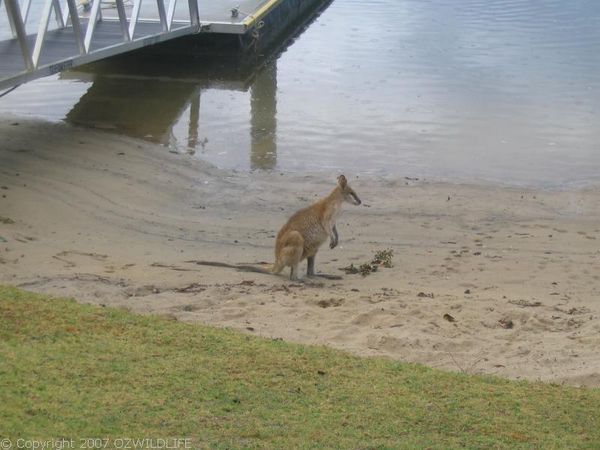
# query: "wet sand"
486, 278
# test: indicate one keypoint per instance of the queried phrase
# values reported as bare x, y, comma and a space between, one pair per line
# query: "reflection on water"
263, 113
503, 90
154, 109
117, 103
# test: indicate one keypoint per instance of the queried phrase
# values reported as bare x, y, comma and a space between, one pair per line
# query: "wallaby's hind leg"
310, 269
295, 256
294, 273
291, 253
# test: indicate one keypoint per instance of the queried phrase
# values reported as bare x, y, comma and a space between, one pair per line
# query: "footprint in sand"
538, 323
70, 257
388, 343
186, 308
332, 302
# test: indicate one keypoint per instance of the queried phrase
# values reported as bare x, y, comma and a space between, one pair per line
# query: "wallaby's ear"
342, 181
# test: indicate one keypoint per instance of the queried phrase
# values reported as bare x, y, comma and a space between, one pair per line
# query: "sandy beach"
486, 278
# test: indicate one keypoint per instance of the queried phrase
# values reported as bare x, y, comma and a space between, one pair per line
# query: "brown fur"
307, 229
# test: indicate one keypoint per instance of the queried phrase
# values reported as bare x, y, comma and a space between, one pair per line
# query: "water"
496, 90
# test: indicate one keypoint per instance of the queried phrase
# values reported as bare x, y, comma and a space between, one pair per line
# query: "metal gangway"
82, 31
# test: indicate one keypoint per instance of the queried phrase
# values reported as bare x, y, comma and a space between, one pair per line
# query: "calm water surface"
494, 90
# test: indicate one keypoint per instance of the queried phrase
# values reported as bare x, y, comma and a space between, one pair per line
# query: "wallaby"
303, 234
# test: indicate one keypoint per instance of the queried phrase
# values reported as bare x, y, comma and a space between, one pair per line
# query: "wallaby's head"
348, 193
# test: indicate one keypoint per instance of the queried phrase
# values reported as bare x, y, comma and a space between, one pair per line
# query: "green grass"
69, 371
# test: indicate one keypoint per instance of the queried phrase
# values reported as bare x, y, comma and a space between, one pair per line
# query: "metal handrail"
69, 18
18, 28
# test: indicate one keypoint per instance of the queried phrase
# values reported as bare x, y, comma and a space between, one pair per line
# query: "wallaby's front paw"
333, 244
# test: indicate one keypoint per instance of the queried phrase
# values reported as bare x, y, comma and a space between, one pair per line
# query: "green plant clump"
382, 258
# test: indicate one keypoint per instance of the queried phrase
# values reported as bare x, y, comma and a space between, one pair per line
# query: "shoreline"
487, 278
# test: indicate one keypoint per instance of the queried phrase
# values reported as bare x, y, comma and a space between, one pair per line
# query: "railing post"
14, 15
11, 23
92, 20
25, 10
135, 13
162, 15
75, 22
194, 16
58, 14
123, 20
171, 13
41, 33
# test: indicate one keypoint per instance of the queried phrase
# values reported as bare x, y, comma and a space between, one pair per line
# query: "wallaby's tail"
277, 268
242, 267
246, 268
